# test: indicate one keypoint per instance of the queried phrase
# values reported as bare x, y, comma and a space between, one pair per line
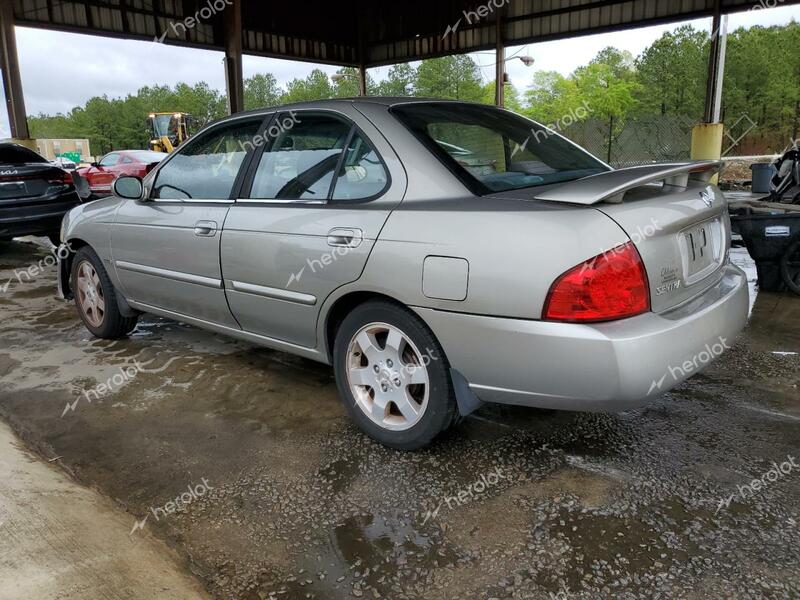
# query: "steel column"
500, 67
716, 66
12, 81
362, 80
234, 79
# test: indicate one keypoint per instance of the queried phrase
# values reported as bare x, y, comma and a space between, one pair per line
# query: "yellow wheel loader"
169, 130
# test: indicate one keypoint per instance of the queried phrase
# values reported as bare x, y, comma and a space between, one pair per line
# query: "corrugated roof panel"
388, 32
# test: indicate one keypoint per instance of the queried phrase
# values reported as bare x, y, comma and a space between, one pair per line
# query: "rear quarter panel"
515, 250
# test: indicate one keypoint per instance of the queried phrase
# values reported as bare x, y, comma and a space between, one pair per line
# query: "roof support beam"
716, 66
12, 81
234, 78
362, 80
500, 66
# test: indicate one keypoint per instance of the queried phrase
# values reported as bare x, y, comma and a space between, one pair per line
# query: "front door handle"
205, 228
349, 237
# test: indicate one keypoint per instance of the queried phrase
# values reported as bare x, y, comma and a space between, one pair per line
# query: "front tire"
393, 376
96, 298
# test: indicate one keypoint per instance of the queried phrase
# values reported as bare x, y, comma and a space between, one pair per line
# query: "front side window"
207, 166
492, 150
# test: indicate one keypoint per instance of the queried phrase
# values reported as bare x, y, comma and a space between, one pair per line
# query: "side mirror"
128, 188
95, 165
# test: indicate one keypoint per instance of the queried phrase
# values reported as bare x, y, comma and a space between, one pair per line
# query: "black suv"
34, 194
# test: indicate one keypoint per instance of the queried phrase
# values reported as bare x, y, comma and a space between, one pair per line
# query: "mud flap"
63, 292
466, 399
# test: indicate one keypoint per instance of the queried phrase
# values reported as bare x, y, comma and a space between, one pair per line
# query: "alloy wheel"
90, 294
388, 376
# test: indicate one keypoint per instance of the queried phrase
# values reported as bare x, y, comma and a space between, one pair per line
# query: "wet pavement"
243, 461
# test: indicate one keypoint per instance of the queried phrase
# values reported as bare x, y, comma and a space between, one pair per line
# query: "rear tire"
393, 376
790, 266
96, 298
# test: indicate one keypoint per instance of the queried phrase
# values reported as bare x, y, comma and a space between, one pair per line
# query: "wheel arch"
342, 306
65, 265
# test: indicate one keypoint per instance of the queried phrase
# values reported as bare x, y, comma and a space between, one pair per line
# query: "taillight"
610, 286
61, 178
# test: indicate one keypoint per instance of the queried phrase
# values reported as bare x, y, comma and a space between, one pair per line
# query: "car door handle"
205, 228
349, 237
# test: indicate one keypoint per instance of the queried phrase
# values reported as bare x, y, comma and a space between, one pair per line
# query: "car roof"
387, 101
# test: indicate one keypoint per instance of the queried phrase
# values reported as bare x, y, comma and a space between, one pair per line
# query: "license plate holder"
701, 249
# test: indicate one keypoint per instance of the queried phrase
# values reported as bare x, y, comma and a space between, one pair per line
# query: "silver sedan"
437, 254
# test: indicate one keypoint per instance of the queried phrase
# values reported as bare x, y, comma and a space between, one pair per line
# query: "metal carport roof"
361, 32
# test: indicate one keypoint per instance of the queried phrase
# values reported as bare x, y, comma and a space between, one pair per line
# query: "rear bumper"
598, 367
34, 218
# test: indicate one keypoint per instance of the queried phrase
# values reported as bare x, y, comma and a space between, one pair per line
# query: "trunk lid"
30, 182
682, 235
675, 217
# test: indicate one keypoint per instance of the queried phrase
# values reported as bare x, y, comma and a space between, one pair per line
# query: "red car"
102, 173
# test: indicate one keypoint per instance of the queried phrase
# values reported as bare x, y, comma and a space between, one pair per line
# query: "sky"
63, 70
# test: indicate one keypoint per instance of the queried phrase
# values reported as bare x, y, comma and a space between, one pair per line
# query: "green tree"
261, 90
621, 63
762, 81
672, 73
452, 77
510, 96
551, 96
603, 93
317, 86
346, 84
399, 82
121, 123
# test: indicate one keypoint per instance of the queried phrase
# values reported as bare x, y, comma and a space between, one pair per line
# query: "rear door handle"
349, 237
205, 228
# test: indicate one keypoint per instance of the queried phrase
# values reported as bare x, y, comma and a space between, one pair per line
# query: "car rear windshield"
19, 155
493, 150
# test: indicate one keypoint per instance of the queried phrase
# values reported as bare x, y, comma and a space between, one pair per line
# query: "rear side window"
19, 155
362, 174
318, 158
301, 160
207, 166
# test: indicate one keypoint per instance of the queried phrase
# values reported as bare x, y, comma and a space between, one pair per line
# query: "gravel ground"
291, 501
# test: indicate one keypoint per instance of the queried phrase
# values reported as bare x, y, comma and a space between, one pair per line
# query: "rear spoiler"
611, 186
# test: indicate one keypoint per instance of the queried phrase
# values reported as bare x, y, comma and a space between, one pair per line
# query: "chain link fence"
658, 138
636, 140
